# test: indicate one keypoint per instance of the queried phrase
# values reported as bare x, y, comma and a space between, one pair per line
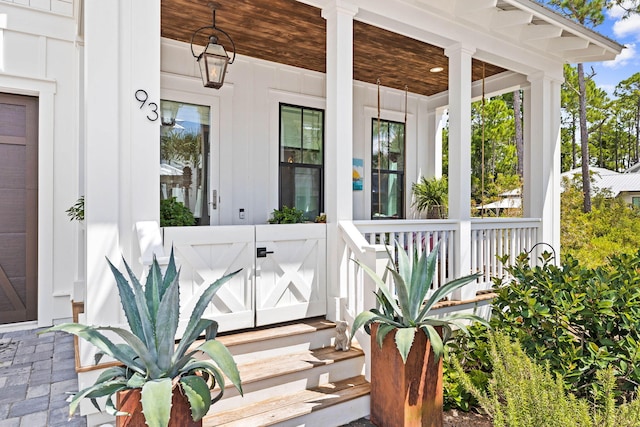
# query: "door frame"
189, 90
49, 300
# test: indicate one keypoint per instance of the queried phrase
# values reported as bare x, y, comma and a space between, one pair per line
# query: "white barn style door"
283, 275
290, 279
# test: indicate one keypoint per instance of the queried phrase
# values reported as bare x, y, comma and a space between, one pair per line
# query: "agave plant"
408, 312
150, 358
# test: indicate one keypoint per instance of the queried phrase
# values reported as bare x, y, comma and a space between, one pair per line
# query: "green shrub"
471, 351
287, 215
522, 393
175, 214
578, 320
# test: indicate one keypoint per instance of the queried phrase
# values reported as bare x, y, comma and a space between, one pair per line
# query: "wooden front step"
292, 374
280, 409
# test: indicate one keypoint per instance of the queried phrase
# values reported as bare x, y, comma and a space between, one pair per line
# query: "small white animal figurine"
342, 336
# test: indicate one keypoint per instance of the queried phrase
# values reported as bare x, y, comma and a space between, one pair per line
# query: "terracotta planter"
405, 394
129, 401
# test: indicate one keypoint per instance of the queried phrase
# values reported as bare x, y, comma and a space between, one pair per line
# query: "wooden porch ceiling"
293, 33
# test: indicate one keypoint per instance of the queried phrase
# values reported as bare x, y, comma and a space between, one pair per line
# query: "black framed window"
387, 169
302, 159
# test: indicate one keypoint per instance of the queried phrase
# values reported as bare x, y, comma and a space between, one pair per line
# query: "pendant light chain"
483, 136
379, 153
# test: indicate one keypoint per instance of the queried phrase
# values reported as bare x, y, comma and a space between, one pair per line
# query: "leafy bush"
610, 228
471, 351
522, 393
76, 212
175, 214
578, 320
287, 215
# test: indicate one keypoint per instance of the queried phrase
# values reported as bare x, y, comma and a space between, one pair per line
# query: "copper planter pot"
129, 401
405, 394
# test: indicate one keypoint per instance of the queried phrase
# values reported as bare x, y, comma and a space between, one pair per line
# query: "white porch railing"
490, 238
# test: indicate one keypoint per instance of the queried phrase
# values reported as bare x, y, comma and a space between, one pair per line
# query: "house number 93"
142, 97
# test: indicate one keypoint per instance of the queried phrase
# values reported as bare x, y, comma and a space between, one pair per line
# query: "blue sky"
625, 32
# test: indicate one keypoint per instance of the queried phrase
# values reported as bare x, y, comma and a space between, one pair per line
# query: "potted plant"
158, 378
175, 214
287, 215
407, 342
431, 196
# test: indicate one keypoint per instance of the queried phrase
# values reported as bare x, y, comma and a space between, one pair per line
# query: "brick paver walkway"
36, 371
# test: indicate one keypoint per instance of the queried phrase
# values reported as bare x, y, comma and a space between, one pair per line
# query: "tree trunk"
584, 141
517, 105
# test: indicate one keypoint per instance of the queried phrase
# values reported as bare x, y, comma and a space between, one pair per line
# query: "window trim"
281, 161
402, 174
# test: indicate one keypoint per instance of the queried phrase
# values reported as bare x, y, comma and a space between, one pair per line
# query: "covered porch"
326, 56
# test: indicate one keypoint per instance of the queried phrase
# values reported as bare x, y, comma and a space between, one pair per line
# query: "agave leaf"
465, 316
212, 331
156, 402
223, 358
111, 373
198, 394
362, 319
142, 309
98, 389
136, 381
422, 279
383, 331
200, 307
169, 275
128, 301
152, 290
189, 337
168, 317
404, 340
403, 296
104, 344
445, 290
402, 279
219, 380
436, 342
139, 347
382, 286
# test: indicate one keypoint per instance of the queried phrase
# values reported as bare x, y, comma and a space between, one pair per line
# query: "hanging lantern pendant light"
214, 59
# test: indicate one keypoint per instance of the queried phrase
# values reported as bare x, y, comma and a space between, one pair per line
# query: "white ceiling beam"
561, 44
590, 54
533, 32
464, 7
510, 18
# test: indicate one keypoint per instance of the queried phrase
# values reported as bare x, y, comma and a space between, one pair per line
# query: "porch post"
433, 155
121, 149
542, 156
339, 140
460, 163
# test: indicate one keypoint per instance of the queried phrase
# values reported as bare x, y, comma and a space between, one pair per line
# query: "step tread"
278, 409
300, 327
289, 363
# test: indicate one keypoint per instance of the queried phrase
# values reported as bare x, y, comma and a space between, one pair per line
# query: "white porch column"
339, 138
122, 56
460, 159
542, 156
435, 125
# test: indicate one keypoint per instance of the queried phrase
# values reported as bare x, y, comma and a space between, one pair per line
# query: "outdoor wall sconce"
214, 59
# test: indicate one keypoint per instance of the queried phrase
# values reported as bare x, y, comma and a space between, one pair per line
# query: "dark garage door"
18, 208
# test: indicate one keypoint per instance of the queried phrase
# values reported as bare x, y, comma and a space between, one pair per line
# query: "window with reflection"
387, 169
302, 159
184, 162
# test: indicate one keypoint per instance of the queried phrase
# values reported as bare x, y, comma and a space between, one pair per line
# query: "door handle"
262, 252
214, 200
